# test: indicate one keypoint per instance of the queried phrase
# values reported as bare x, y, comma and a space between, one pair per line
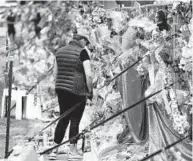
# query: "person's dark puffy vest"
71, 76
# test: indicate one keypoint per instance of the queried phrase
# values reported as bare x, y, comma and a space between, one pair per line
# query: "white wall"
32, 112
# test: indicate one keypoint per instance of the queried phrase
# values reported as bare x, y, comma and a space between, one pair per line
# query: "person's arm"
87, 69
88, 73
55, 68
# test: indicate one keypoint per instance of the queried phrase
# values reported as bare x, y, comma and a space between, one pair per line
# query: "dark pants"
11, 32
66, 101
163, 26
37, 31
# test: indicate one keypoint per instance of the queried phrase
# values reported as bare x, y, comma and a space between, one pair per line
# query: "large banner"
132, 91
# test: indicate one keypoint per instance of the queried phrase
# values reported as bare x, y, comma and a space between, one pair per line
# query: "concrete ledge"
24, 153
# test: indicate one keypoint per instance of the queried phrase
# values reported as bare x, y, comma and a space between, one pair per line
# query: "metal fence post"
7, 53
9, 106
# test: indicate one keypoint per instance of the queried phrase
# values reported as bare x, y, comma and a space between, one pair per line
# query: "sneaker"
52, 156
75, 156
64, 150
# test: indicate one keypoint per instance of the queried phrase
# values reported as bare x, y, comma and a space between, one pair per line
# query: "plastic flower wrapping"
145, 23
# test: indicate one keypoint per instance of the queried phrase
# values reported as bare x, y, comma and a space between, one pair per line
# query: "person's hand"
168, 38
90, 96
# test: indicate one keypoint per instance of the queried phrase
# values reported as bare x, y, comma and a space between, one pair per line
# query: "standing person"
10, 25
161, 20
36, 20
73, 85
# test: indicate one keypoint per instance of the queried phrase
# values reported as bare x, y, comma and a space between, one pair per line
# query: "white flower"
186, 52
141, 70
182, 64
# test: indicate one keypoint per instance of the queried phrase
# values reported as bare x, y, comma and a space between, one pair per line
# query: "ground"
26, 128
18, 129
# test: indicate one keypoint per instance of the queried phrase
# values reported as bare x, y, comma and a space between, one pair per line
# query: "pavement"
60, 157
